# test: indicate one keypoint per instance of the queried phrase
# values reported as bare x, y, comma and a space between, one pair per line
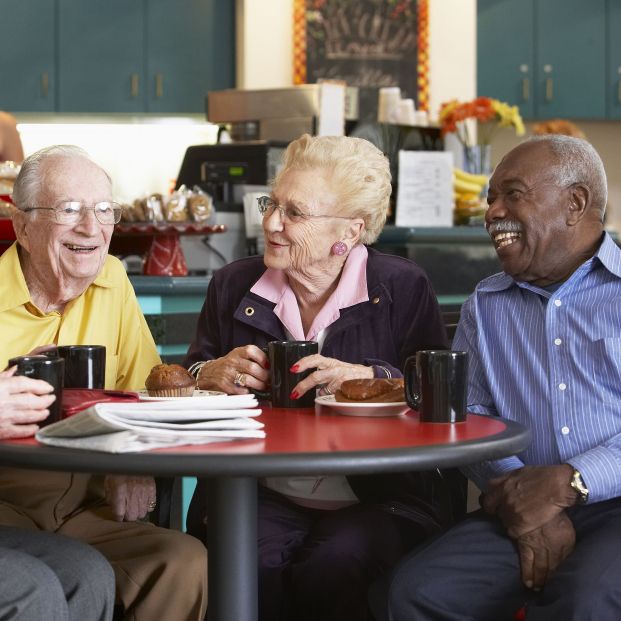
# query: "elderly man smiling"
59, 285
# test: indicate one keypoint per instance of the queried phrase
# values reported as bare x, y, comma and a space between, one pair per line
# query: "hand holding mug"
330, 373
24, 403
243, 368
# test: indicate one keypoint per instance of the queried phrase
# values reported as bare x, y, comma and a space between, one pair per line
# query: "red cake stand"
165, 255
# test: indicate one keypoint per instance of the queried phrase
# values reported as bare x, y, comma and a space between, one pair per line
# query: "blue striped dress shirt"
551, 361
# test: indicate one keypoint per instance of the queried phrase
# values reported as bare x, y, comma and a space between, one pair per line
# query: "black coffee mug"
52, 371
436, 385
283, 355
85, 365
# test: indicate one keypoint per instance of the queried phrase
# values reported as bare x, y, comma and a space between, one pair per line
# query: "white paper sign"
425, 193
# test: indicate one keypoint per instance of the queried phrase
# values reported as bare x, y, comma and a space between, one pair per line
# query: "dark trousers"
473, 573
318, 565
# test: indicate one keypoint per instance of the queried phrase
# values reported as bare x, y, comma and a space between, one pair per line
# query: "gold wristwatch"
579, 487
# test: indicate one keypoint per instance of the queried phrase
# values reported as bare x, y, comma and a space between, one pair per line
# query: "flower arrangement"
490, 114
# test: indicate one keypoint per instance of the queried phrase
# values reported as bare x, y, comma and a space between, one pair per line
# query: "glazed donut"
387, 390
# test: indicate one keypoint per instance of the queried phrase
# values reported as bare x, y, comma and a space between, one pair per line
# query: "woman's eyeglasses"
71, 212
267, 206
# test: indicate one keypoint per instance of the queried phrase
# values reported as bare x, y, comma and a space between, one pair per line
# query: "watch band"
578, 485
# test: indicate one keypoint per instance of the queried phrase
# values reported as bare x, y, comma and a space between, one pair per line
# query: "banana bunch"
467, 190
468, 186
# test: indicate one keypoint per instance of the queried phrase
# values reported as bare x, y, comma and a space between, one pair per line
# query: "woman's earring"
339, 248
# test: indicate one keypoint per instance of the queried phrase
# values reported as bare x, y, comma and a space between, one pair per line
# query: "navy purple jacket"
401, 317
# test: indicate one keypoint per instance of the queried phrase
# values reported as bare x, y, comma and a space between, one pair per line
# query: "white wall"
142, 155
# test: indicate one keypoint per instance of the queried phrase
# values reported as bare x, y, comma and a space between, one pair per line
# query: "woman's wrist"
195, 368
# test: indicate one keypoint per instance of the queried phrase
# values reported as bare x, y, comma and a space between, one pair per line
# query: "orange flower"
453, 116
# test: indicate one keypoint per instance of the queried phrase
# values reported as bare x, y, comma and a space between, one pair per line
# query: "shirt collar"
13, 288
351, 289
608, 254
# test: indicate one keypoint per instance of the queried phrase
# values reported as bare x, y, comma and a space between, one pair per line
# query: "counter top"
167, 285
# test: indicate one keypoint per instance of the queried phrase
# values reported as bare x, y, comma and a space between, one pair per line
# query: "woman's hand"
330, 374
242, 368
131, 498
24, 402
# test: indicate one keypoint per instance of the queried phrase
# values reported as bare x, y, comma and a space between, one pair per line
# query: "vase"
478, 159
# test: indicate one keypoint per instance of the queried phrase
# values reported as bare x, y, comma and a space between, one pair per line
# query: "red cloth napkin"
77, 399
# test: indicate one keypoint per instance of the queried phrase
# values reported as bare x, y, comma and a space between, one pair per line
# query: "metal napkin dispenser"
226, 170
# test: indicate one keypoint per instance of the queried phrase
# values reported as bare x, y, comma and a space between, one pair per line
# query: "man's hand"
530, 497
24, 403
542, 550
131, 498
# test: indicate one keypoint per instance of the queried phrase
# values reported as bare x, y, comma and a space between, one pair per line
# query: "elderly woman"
58, 285
323, 540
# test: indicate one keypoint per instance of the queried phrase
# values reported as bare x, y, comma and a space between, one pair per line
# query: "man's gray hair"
578, 162
29, 183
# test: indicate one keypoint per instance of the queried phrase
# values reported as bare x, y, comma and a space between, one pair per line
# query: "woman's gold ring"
240, 379
151, 506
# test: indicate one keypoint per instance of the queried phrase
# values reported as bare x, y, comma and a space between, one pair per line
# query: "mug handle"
413, 398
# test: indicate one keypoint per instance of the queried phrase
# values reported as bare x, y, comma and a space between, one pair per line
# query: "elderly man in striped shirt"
544, 339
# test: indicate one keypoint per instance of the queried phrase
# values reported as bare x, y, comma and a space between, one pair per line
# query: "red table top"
300, 441
306, 431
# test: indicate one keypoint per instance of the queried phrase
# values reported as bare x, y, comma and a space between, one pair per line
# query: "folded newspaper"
128, 427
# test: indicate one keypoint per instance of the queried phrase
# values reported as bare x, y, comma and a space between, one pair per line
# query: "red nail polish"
294, 395
266, 364
294, 368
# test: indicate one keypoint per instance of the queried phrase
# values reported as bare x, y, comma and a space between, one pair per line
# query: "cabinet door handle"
134, 85
525, 89
45, 84
159, 85
549, 89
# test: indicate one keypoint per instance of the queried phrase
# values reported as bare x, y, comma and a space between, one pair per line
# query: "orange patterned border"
299, 41
422, 39
299, 48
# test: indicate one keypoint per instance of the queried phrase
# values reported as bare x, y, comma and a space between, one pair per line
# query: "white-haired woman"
323, 540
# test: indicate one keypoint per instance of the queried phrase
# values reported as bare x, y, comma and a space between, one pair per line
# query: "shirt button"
557, 341
375, 301
557, 302
565, 430
562, 386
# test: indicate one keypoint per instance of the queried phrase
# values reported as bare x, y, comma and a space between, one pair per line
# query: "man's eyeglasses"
70, 212
267, 206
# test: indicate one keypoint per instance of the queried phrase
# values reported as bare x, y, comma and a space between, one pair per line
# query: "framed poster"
366, 43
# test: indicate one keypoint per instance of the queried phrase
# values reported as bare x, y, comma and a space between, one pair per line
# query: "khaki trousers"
160, 573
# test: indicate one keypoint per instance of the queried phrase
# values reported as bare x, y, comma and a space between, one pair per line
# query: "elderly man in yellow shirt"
58, 285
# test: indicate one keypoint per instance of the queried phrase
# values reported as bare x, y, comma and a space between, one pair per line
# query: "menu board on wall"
366, 43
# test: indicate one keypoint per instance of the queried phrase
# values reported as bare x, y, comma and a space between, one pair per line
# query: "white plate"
144, 395
363, 409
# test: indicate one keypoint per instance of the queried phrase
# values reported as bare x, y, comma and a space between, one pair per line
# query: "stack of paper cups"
388, 104
406, 113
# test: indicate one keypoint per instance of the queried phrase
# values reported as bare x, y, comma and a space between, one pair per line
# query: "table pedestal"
232, 546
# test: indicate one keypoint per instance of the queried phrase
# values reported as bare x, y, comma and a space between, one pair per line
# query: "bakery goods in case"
378, 390
170, 380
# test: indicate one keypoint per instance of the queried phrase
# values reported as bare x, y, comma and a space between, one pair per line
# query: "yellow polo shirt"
107, 313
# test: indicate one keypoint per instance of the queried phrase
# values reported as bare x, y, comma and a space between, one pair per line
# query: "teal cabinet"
506, 52
613, 91
549, 57
101, 48
571, 59
27, 66
190, 50
116, 56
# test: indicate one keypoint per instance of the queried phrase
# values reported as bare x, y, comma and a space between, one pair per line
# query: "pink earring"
339, 248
